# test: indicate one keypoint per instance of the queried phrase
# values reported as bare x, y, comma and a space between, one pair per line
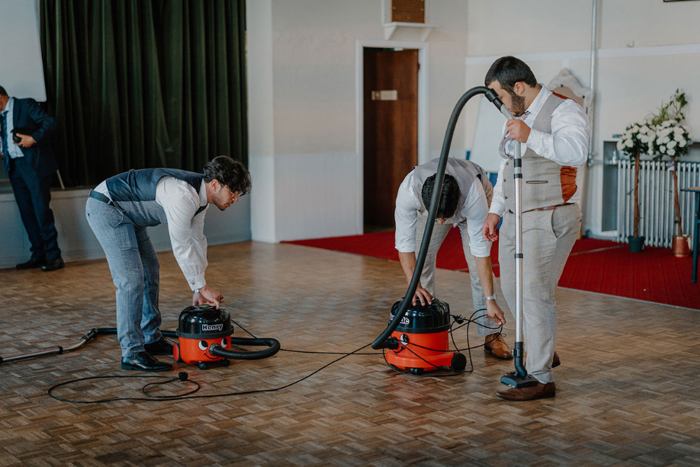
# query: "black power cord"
183, 377
186, 395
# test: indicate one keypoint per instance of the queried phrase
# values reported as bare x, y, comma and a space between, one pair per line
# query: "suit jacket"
28, 116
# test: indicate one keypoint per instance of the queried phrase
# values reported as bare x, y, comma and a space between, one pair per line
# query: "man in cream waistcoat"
554, 132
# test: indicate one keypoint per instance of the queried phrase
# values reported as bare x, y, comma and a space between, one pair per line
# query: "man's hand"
423, 296
207, 296
518, 130
494, 312
408, 264
489, 229
27, 141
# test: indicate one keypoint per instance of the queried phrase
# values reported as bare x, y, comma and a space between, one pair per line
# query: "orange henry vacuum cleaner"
422, 336
204, 336
416, 338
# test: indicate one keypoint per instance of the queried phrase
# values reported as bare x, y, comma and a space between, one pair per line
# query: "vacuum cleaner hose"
272, 344
381, 341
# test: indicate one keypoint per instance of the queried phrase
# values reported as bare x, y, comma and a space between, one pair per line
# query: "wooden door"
390, 129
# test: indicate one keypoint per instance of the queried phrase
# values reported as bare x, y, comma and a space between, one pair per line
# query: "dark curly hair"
448, 199
228, 172
508, 71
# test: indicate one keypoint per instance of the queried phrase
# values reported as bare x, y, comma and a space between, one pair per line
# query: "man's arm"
475, 210
46, 125
406, 216
180, 202
408, 264
567, 144
485, 272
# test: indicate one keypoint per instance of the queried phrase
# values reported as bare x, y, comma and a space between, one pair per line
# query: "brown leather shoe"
540, 391
496, 346
555, 360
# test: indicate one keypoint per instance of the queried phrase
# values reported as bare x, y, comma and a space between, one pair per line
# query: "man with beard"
119, 210
554, 131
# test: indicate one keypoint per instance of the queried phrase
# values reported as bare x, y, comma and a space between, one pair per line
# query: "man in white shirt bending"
121, 208
464, 203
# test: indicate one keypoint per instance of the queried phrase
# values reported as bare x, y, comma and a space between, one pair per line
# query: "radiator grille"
656, 209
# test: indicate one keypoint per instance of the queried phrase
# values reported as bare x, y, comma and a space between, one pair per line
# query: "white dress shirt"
474, 210
566, 145
180, 201
15, 151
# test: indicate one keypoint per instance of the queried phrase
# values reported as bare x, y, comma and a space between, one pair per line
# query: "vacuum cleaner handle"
58, 350
381, 341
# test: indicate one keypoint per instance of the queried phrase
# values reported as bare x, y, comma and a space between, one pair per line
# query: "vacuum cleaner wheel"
176, 353
459, 362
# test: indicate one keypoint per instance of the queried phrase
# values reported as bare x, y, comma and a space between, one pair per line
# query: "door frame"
423, 146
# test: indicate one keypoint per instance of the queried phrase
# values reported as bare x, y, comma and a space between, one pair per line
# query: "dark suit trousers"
33, 195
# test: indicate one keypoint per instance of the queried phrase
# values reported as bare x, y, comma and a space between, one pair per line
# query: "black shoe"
53, 264
32, 263
160, 347
143, 361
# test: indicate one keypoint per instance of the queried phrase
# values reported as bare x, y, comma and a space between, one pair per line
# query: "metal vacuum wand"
519, 378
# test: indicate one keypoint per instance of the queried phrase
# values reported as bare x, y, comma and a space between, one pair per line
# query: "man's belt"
100, 197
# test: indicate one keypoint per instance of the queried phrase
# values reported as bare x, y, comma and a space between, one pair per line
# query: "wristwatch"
492, 297
196, 291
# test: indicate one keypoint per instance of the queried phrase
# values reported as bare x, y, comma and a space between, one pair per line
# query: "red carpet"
594, 265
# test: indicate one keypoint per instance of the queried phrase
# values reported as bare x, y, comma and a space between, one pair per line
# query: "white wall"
647, 49
306, 164
21, 68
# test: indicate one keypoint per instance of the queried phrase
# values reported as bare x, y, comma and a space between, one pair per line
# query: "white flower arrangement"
659, 135
672, 139
637, 138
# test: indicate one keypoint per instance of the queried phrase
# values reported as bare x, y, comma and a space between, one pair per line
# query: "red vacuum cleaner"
205, 336
423, 341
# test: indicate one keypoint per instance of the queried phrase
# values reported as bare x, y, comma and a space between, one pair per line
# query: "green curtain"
144, 83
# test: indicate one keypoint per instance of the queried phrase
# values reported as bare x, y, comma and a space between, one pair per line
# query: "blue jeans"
135, 271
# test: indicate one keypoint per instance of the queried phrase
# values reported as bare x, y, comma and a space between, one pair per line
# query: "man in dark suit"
25, 131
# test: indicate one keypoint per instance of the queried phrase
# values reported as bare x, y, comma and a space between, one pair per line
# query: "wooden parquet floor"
628, 391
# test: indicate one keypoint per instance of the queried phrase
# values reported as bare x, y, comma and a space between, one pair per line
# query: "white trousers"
548, 237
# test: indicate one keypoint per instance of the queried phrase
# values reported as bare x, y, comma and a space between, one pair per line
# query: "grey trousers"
548, 237
135, 272
427, 278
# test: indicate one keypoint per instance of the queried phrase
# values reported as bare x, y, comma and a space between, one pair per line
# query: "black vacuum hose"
381, 341
272, 344
218, 351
